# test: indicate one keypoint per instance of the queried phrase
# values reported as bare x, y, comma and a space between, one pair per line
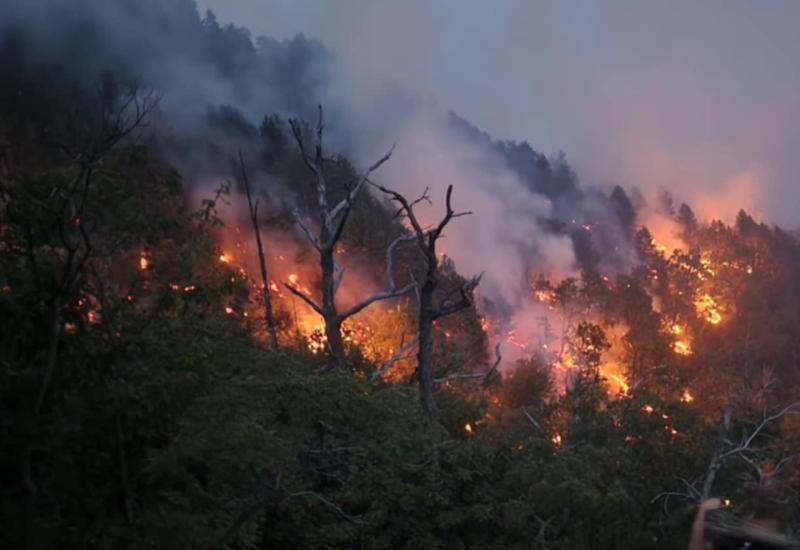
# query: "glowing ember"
224, 258
468, 428
648, 409
229, 310
70, 328
189, 288
687, 396
557, 440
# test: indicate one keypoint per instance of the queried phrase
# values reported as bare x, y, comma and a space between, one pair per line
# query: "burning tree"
332, 222
452, 301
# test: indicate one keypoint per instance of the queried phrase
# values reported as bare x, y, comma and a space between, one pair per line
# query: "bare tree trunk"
425, 360
52, 352
262, 262
428, 313
333, 322
331, 225
715, 463
127, 499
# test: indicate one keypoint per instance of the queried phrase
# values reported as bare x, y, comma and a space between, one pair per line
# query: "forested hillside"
221, 328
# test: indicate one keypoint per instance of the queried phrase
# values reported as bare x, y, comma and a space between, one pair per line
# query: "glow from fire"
144, 261
708, 310
682, 347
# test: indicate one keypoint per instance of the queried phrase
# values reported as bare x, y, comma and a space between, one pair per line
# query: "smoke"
682, 95
691, 100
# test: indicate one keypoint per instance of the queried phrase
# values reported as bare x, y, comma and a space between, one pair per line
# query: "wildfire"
681, 347
468, 428
687, 396
224, 258
566, 363
557, 440
621, 383
707, 308
544, 295
144, 261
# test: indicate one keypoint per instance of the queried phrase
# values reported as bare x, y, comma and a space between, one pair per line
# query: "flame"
681, 347
544, 295
468, 428
557, 440
648, 409
621, 383
144, 261
707, 308
224, 258
687, 396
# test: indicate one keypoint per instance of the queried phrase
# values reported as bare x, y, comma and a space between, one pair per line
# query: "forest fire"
707, 308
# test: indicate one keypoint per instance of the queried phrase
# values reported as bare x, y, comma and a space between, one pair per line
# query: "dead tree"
745, 448
332, 221
725, 450
262, 262
453, 300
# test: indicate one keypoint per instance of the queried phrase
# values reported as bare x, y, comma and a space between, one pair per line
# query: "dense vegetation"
141, 408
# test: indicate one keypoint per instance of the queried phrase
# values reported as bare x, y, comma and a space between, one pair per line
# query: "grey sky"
702, 98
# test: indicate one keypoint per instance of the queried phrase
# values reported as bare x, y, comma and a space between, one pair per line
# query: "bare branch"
348, 200
383, 295
262, 262
398, 355
532, 420
300, 294
475, 375
336, 508
309, 235
747, 441
465, 291
391, 290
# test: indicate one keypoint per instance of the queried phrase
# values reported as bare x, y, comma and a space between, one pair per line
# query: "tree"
331, 224
262, 262
451, 302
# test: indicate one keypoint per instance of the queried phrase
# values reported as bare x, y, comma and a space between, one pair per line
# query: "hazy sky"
702, 98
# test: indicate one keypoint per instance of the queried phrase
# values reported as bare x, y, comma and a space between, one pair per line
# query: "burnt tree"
431, 309
332, 221
266, 297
